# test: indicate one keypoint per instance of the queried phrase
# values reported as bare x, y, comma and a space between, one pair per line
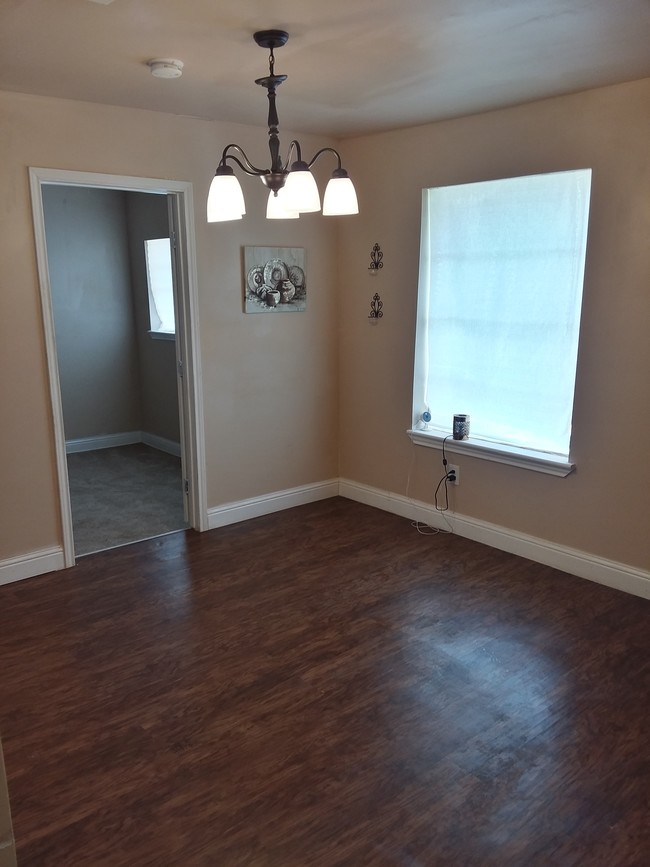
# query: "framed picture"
274, 280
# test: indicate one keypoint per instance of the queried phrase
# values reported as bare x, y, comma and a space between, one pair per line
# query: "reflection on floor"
122, 495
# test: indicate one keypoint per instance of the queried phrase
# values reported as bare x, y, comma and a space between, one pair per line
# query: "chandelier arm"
323, 151
246, 166
294, 148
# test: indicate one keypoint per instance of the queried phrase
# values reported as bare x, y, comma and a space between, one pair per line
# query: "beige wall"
604, 507
269, 381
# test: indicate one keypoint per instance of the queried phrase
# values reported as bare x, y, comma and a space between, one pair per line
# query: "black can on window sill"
461, 427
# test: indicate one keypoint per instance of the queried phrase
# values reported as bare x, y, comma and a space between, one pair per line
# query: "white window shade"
161, 285
501, 275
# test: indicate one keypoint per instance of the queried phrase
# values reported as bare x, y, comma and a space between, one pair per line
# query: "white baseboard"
162, 444
575, 562
109, 441
580, 563
51, 559
29, 565
242, 510
127, 438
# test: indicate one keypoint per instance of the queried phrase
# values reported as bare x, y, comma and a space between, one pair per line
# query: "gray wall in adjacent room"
88, 257
146, 219
115, 378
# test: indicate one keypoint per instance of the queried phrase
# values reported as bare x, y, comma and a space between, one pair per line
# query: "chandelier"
292, 188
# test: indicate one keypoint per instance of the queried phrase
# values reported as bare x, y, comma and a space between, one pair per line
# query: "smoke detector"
166, 67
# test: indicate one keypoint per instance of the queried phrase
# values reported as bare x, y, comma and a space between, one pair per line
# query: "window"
161, 287
499, 300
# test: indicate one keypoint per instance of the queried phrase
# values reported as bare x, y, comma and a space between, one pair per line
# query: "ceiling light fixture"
292, 188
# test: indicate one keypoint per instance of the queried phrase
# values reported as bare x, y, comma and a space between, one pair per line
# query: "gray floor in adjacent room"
121, 495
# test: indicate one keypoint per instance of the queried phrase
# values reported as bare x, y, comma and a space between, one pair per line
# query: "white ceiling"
353, 66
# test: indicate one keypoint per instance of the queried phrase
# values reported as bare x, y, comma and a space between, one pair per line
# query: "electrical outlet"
454, 468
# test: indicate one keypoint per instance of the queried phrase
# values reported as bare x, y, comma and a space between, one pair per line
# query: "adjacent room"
380, 596
116, 363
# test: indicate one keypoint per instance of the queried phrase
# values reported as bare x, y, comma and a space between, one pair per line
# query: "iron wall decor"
274, 280
376, 257
376, 306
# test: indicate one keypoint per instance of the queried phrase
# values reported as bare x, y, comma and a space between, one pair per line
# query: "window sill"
162, 335
528, 459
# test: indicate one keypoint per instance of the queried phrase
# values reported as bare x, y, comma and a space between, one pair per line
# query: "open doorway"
123, 370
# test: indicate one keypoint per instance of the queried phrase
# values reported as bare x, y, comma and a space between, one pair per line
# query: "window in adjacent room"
499, 300
161, 287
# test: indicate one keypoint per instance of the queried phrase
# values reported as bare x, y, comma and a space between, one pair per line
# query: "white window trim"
162, 335
528, 459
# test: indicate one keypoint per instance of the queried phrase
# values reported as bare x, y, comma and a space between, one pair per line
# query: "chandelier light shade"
225, 198
340, 195
292, 187
276, 207
300, 189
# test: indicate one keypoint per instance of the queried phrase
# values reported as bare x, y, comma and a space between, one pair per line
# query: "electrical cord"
443, 481
423, 528
443, 484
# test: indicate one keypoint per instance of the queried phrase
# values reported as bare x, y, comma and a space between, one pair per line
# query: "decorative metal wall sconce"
376, 311
375, 259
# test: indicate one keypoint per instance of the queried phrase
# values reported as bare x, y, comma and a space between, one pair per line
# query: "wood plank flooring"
324, 687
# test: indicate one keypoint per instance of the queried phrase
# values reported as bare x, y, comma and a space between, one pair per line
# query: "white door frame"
187, 337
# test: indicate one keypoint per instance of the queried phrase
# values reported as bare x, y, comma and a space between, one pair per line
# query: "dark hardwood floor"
320, 687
